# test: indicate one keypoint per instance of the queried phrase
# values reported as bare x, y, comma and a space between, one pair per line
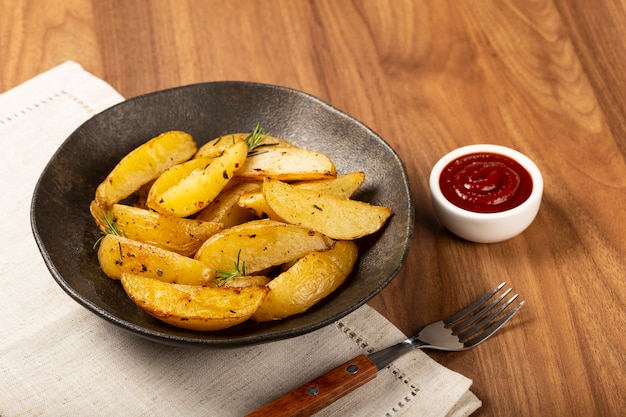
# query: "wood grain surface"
545, 77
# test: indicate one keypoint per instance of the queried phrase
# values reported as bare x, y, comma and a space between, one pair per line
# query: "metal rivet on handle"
353, 369
313, 390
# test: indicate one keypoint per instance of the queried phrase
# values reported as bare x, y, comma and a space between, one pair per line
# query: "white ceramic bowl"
486, 227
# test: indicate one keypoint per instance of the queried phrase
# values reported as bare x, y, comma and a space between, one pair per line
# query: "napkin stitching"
352, 335
414, 390
50, 99
396, 372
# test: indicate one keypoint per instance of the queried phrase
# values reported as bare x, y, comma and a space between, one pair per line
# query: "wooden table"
545, 77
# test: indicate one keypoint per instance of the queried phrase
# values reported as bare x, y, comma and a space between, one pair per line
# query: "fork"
461, 331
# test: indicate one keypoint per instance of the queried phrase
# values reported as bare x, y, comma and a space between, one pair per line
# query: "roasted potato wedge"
215, 147
183, 236
196, 217
335, 217
173, 176
144, 164
196, 190
308, 281
192, 307
343, 186
225, 208
118, 254
287, 163
260, 244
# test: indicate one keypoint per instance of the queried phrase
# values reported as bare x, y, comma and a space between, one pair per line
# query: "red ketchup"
485, 182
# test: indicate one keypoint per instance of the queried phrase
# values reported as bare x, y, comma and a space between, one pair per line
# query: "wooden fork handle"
322, 391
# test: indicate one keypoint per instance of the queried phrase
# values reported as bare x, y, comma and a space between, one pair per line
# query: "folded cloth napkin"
58, 359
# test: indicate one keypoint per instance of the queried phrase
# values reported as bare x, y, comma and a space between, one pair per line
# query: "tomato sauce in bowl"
485, 193
485, 182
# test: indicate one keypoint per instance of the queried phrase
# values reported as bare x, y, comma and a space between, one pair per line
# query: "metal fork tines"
474, 324
462, 330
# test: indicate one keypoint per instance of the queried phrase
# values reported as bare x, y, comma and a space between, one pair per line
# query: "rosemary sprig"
255, 137
255, 140
238, 271
110, 228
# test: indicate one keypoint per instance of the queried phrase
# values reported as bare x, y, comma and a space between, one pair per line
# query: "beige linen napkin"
58, 359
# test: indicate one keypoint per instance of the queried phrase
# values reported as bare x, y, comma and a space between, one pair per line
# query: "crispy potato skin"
287, 163
307, 282
191, 307
337, 218
118, 254
144, 164
263, 244
201, 186
183, 236
342, 186
215, 147
173, 176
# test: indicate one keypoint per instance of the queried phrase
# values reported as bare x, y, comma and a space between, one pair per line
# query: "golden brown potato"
308, 281
335, 217
173, 176
225, 209
343, 186
144, 164
183, 236
189, 195
287, 163
215, 147
175, 262
260, 244
118, 254
192, 307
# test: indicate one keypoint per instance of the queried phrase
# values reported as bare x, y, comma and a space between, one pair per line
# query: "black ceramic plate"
65, 231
